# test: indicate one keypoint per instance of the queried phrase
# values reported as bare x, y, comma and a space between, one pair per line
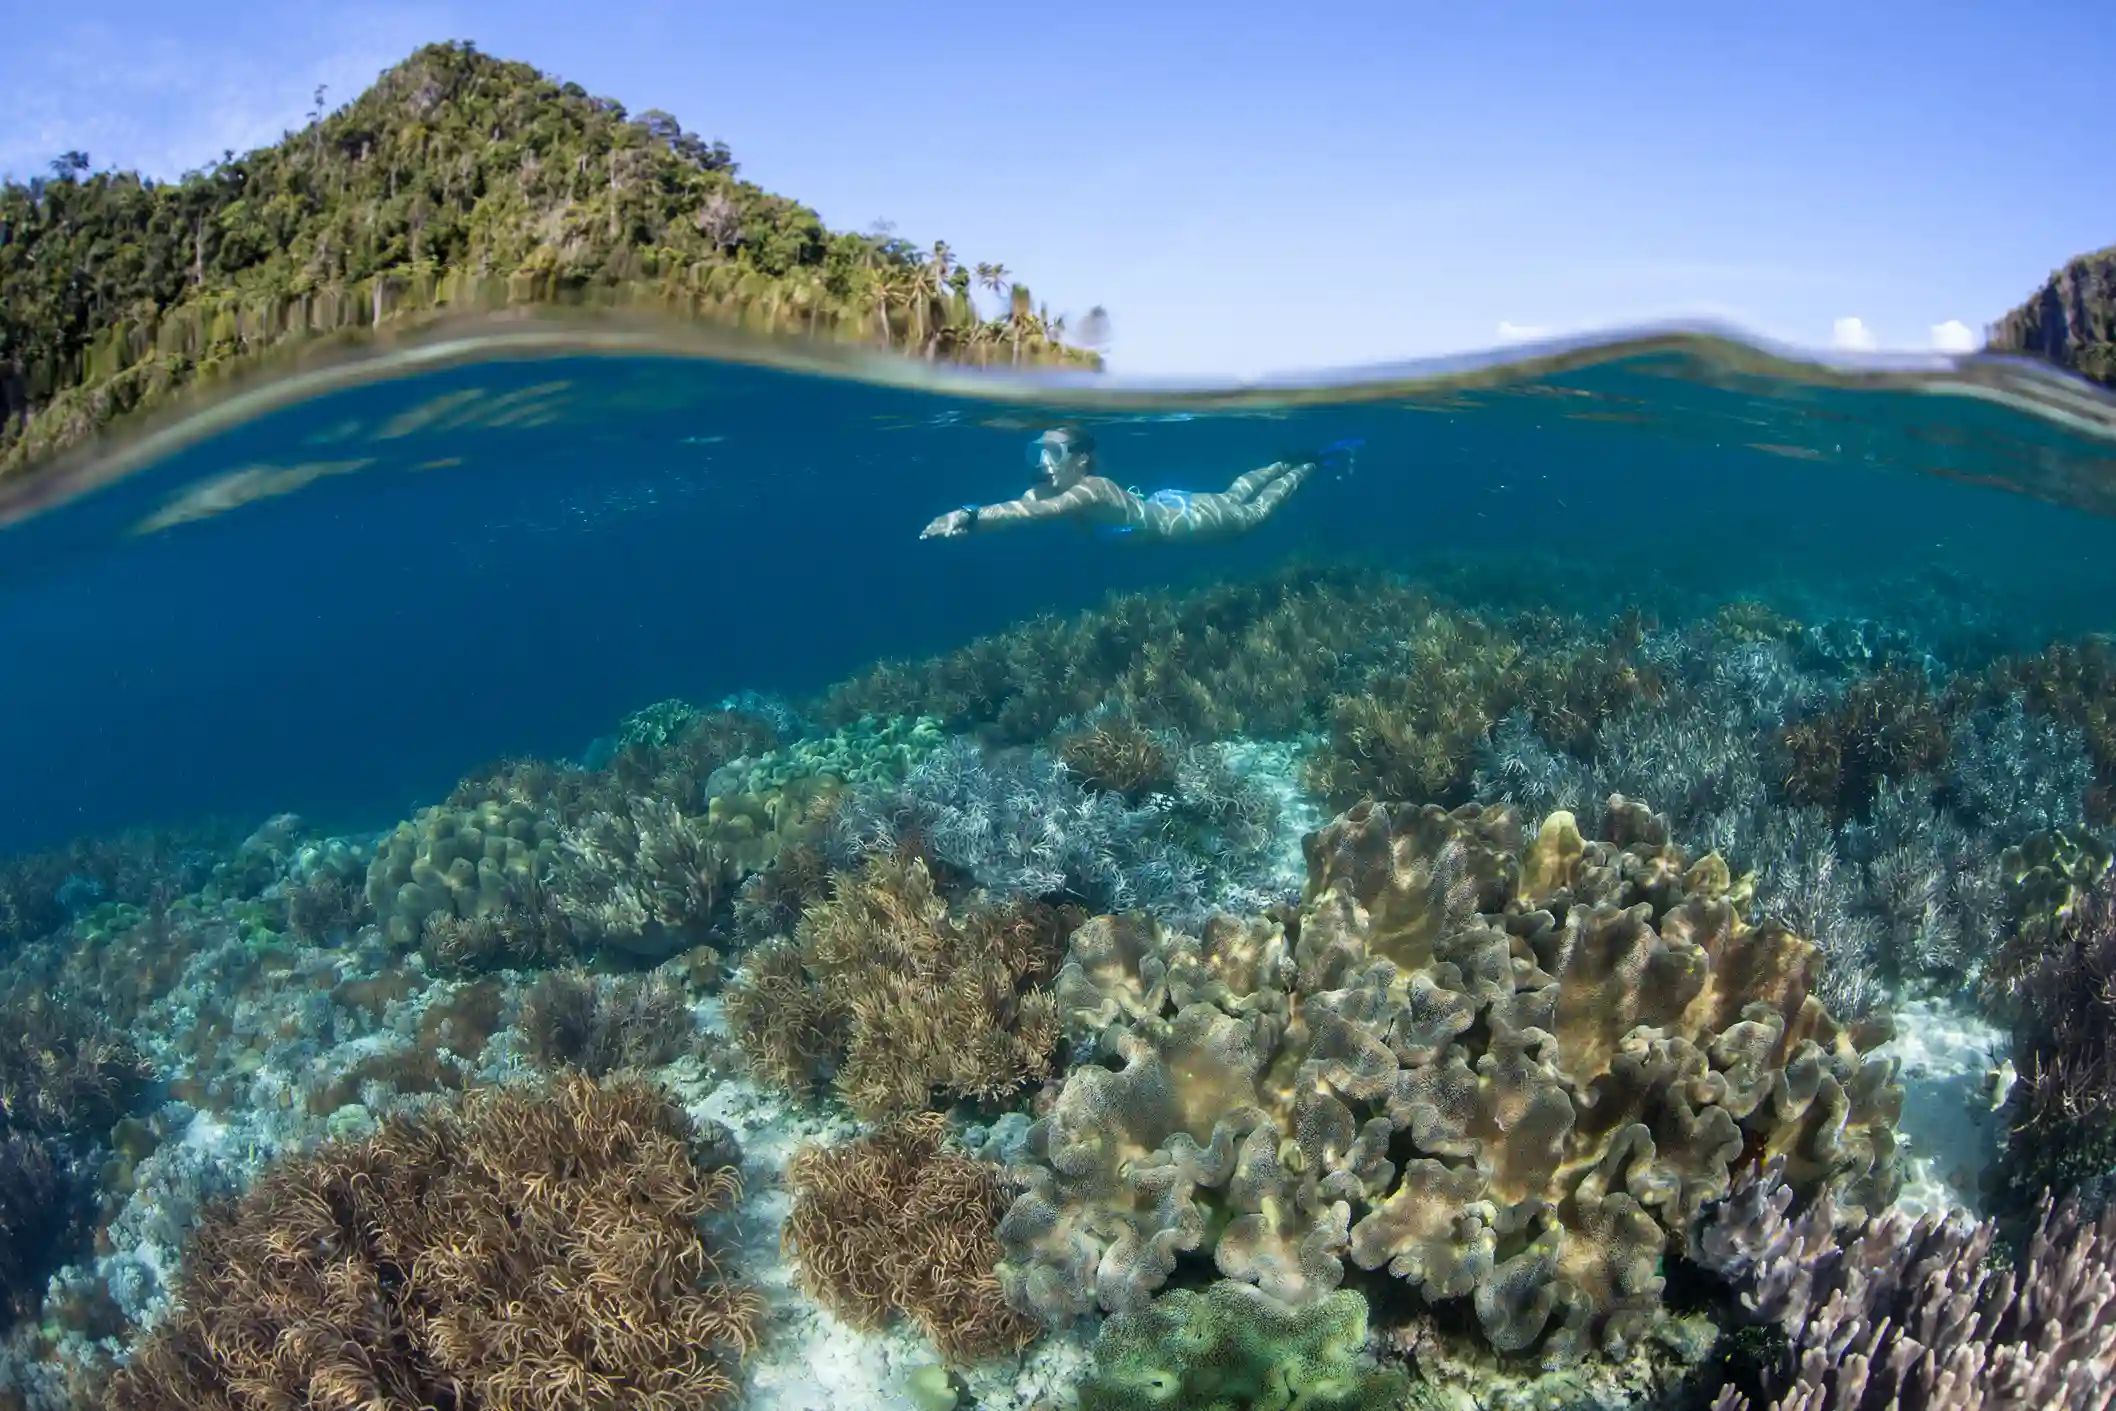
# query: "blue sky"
1247, 191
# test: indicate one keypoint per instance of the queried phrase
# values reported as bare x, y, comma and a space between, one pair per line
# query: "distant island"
2070, 321
457, 179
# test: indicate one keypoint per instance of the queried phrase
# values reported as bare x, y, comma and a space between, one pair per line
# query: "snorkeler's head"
1062, 457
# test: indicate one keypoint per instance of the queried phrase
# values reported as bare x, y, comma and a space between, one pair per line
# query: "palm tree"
1020, 310
992, 277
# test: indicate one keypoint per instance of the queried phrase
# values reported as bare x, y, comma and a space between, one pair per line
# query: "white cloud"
1852, 335
1954, 336
1511, 332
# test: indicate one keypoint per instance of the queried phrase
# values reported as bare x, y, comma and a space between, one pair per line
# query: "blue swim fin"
1338, 456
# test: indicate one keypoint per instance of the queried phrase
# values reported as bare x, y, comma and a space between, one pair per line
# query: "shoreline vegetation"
457, 180
2070, 321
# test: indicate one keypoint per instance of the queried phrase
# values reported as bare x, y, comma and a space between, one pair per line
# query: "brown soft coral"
1508, 1071
530, 1250
897, 1223
1120, 756
887, 991
1888, 726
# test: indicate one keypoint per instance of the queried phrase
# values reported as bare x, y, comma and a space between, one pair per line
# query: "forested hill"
456, 178
2070, 321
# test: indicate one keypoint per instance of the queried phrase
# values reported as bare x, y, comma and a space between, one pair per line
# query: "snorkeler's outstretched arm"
1094, 499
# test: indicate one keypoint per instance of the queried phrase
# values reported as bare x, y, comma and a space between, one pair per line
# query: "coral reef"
1887, 727
2061, 1114
894, 997
62, 1072
1413, 729
460, 862
1260, 658
897, 1223
2072, 684
568, 1019
532, 1248
46, 1205
1119, 756
1916, 1314
1017, 823
641, 876
1234, 1348
1512, 1071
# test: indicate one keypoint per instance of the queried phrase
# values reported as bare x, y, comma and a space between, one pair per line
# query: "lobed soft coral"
531, 1249
459, 862
897, 1223
894, 997
1508, 1071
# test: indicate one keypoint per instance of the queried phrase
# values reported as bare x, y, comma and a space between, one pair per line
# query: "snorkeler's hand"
951, 525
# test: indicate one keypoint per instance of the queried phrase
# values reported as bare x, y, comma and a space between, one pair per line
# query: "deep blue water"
694, 528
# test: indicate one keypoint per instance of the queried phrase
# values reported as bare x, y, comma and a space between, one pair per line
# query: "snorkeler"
1067, 487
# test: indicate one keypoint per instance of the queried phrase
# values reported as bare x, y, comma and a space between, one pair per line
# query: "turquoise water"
1773, 599
504, 557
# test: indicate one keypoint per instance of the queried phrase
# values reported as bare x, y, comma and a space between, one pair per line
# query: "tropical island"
456, 180
2070, 321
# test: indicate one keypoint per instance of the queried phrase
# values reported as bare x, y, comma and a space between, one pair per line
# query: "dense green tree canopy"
456, 178
2070, 321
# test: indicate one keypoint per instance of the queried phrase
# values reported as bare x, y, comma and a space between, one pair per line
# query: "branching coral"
1233, 1348
1888, 726
629, 1022
1413, 731
1120, 756
2072, 684
896, 998
532, 1248
1512, 1072
1261, 658
1917, 1315
1018, 824
62, 1073
642, 877
2062, 1109
896, 1223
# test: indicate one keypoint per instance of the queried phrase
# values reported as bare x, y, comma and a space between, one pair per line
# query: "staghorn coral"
461, 862
896, 1223
526, 1248
1887, 727
894, 997
1511, 1072
1916, 1315
630, 1021
1234, 1348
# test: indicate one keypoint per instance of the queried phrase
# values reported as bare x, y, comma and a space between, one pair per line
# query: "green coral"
657, 726
459, 862
1234, 1348
871, 750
